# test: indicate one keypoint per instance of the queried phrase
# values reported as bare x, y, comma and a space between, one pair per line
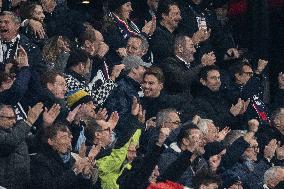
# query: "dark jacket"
49, 171
179, 77
278, 100
20, 86
250, 173
138, 176
14, 157
121, 97
174, 159
215, 106
162, 44
163, 101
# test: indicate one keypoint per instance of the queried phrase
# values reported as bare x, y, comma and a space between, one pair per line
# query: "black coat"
162, 44
215, 106
14, 157
49, 171
179, 78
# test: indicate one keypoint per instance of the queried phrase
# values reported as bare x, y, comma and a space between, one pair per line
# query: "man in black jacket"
211, 103
54, 167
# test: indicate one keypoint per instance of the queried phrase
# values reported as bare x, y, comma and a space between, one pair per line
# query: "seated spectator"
15, 160
211, 102
162, 41
247, 86
118, 28
78, 67
250, 169
273, 176
54, 167
188, 146
56, 52
181, 71
33, 11
155, 98
121, 97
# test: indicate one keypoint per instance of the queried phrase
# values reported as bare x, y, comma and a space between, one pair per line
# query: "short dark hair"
205, 178
91, 128
89, 35
237, 67
50, 77
185, 131
144, 41
164, 8
205, 70
156, 72
77, 57
27, 9
51, 131
180, 40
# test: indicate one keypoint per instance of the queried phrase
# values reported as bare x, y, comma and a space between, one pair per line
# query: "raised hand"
101, 114
208, 59
150, 26
270, 149
261, 66
236, 109
116, 71
200, 36
163, 135
111, 123
154, 175
50, 115
151, 123
253, 125
121, 52
72, 114
94, 151
22, 58
232, 53
37, 28
222, 134
34, 112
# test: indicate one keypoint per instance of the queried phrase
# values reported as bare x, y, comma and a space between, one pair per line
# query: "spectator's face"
196, 140
8, 28
37, 14
63, 45
61, 142
279, 121
188, 50
252, 151
85, 68
125, 11
281, 80
245, 76
151, 86
222, 11
138, 73
278, 175
209, 186
213, 81
134, 48
48, 5
173, 18
5, 85
7, 117
173, 121
58, 88
104, 137
237, 185
131, 153
212, 133
153, 4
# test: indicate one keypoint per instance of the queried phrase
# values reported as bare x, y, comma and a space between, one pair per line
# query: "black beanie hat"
115, 4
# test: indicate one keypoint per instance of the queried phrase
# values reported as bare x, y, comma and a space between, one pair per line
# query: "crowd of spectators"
141, 94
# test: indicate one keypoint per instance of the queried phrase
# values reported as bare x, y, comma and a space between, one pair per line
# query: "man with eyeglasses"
211, 102
14, 156
251, 168
248, 85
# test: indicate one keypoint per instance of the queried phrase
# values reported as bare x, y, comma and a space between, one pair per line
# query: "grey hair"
162, 116
15, 18
270, 174
144, 42
203, 125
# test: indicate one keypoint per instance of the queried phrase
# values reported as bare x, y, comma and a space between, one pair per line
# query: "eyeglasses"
250, 74
173, 122
255, 148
